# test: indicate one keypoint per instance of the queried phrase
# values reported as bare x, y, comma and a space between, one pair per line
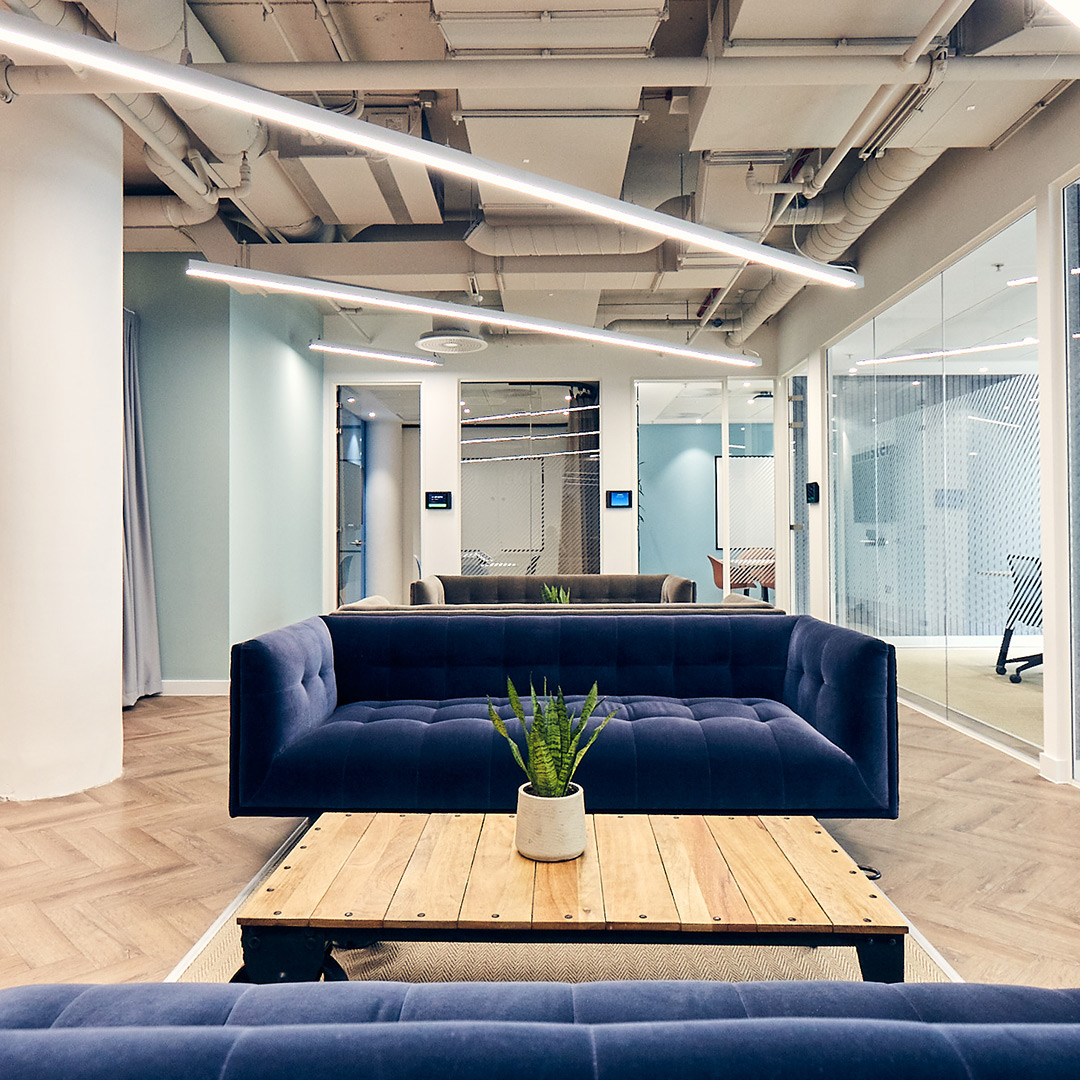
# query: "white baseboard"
195, 687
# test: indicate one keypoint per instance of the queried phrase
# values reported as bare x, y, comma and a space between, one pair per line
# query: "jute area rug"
217, 957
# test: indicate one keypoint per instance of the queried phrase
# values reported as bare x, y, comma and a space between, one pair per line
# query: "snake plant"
551, 740
555, 594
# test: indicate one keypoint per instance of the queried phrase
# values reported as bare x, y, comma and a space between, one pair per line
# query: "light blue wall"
184, 384
275, 464
677, 501
232, 414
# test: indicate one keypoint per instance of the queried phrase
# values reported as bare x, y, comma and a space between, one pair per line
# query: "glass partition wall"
935, 489
530, 478
706, 483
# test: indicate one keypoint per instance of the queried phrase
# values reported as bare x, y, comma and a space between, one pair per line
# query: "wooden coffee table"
659, 878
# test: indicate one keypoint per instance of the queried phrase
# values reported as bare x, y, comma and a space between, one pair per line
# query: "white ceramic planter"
550, 830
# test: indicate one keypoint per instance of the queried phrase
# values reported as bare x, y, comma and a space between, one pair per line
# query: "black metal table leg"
881, 959
274, 954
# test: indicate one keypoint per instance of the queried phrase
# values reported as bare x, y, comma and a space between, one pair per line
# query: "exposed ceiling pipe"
827, 208
533, 237
411, 75
157, 211
802, 172
165, 138
332, 28
873, 189
633, 325
946, 16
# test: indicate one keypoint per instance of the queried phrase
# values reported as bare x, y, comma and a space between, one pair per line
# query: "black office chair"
1025, 607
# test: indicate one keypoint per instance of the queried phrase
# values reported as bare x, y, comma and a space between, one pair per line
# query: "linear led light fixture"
106, 56
372, 354
529, 438
987, 420
528, 457
1069, 8
937, 354
362, 296
1030, 280
522, 415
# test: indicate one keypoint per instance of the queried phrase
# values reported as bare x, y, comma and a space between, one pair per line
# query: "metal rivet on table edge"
495, 915
643, 916
568, 916
348, 914
873, 896
269, 888
791, 918
277, 912
867, 920
421, 914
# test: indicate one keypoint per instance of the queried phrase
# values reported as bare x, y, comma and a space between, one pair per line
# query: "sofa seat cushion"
657, 754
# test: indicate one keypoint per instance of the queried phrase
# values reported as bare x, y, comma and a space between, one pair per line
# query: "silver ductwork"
541, 237
652, 325
873, 189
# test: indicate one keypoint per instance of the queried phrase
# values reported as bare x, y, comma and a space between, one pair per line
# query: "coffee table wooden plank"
852, 902
776, 895
568, 895
296, 887
500, 890
705, 893
362, 891
432, 888
636, 891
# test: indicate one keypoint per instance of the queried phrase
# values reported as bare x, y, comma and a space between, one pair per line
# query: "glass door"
351, 445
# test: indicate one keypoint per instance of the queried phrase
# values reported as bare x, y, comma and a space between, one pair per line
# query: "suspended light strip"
937, 354
365, 297
528, 457
373, 354
529, 438
106, 56
520, 415
1031, 280
987, 420
1069, 8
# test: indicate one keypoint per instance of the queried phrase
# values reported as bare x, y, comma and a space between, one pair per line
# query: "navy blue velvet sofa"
545, 1031
739, 714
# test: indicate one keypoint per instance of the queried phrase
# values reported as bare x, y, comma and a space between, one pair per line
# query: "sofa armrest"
282, 686
843, 683
678, 590
427, 590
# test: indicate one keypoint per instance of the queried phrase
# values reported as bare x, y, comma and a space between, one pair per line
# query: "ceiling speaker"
450, 340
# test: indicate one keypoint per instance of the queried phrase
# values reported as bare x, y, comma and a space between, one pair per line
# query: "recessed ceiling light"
356, 295
351, 400
371, 416
106, 56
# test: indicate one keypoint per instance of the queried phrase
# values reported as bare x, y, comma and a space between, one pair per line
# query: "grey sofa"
528, 589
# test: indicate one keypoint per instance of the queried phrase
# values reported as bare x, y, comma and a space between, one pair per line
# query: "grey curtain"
142, 656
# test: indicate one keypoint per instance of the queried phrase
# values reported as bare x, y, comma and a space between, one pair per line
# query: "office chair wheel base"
1015, 678
1000, 669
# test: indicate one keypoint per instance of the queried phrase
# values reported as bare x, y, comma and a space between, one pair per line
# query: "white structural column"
440, 470
383, 509
61, 446
618, 471
1056, 759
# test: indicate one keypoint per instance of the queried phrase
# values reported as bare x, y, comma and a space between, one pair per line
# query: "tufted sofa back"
429, 656
528, 589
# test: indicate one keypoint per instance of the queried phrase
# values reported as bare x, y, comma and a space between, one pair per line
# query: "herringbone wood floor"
117, 883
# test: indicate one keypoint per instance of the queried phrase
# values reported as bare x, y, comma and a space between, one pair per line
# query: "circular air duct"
450, 340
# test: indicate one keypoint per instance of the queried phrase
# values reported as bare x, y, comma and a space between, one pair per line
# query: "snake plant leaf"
500, 727
581, 753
